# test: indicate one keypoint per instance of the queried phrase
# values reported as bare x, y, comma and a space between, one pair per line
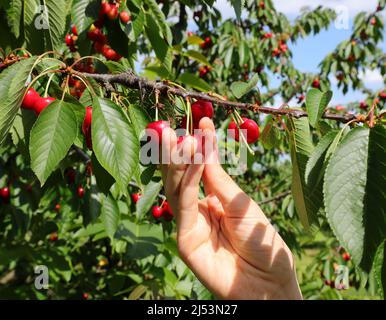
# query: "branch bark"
130, 80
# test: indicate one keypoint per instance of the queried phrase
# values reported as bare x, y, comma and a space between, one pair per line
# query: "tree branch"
130, 80
275, 198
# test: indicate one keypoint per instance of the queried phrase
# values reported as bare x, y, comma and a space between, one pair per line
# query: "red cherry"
30, 99
125, 17
42, 103
301, 98
73, 30
316, 83
268, 35
113, 13
373, 21
5, 193
85, 296
157, 127
340, 108
157, 212
135, 197
363, 105
69, 41
57, 207
110, 54
251, 127
262, 4
54, 236
105, 7
87, 120
382, 95
96, 34
275, 52
80, 192
190, 33
167, 212
201, 109
283, 47
346, 256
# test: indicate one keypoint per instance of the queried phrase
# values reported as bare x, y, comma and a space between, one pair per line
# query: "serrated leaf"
379, 268
240, 88
114, 141
110, 215
14, 14
82, 14
195, 55
316, 103
270, 136
161, 20
354, 193
12, 89
301, 149
139, 118
195, 40
194, 81
238, 6
159, 45
103, 178
51, 137
57, 15
149, 195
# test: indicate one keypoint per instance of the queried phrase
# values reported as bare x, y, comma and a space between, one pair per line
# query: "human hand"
225, 238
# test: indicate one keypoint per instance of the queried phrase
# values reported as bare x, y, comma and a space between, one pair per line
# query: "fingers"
188, 202
216, 180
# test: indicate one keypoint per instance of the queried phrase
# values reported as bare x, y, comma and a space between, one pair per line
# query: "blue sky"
309, 52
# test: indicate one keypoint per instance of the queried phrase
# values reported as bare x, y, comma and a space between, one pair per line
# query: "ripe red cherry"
275, 52
157, 127
201, 109
373, 21
113, 13
135, 197
340, 108
316, 83
346, 256
167, 211
110, 54
69, 40
73, 30
57, 207
125, 17
5, 193
30, 99
42, 103
382, 95
250, 126
157, 212
262, 4
87, 120
80, 192
283, 47
105, 7
268, 35
54, 236
85, 296
363, 105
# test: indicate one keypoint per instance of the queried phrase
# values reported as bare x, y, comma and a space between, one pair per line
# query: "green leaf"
270, 136
161, 20
194, 81
12, 89
195, 55
316, 103
114, 141
82, 14
51, 137
150, 193
138, 117
110, 215
159, 45
379, 267
238, 6
14, 14
57, 14
354, 193
195, 40
301, 149
240, 88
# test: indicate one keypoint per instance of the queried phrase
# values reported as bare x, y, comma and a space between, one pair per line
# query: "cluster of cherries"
163, 210
281, 49
71, 39
5, 194
207, 43
201, 109
95, 34
203, 71
33, 101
